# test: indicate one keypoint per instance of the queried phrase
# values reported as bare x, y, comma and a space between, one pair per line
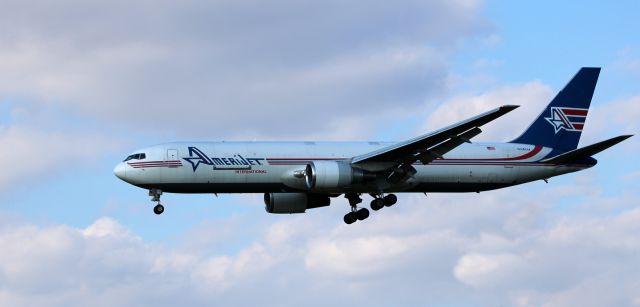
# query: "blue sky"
84, 84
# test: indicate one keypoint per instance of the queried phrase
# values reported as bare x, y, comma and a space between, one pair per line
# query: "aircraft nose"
120, 171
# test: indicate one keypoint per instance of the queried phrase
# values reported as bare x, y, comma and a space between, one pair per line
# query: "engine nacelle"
293, 202
327, 175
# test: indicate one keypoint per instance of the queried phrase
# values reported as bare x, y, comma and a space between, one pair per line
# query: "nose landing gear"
158, 209
155, 197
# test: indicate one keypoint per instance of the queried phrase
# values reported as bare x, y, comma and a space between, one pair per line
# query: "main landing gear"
379, 201
355, 214
155, 197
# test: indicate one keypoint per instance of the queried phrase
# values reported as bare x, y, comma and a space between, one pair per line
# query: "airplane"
296, 176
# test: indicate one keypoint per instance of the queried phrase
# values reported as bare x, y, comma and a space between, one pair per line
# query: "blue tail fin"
560, 124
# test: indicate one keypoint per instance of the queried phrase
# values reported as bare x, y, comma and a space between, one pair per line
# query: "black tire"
362, 214
158, 209
377, 204
350, 218
390, 200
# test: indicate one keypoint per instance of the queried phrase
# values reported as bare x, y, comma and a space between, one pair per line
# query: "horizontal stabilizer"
586, 151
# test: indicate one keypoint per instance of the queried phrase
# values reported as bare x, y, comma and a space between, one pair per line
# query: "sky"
85, 83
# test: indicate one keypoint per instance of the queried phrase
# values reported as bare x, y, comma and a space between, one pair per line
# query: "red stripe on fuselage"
305, 159
153, 162
150, 164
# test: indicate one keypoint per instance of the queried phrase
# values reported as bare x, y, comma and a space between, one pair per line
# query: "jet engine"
327, 175
293, 202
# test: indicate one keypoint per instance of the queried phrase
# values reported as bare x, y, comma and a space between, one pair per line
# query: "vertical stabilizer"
560, 124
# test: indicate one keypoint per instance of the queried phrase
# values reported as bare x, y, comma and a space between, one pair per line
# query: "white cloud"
106, 227
480, 270
613, 118
605, 119
221, 69
502, 247
532, 97
344, 257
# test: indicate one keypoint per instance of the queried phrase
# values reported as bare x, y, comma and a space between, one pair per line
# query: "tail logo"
569, 119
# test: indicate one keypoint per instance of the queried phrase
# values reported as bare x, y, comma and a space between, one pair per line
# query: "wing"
429, 146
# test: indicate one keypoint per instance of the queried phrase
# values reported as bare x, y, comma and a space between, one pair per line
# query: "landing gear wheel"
155, 197
362, 214
350, 218
158, 209
390, 200
377, 204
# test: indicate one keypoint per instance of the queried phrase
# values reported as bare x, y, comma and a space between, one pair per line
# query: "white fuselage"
262, 167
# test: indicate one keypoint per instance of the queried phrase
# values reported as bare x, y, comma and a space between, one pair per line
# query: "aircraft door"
508, 170
168, 174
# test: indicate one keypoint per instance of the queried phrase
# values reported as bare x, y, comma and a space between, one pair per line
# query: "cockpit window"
136, 156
